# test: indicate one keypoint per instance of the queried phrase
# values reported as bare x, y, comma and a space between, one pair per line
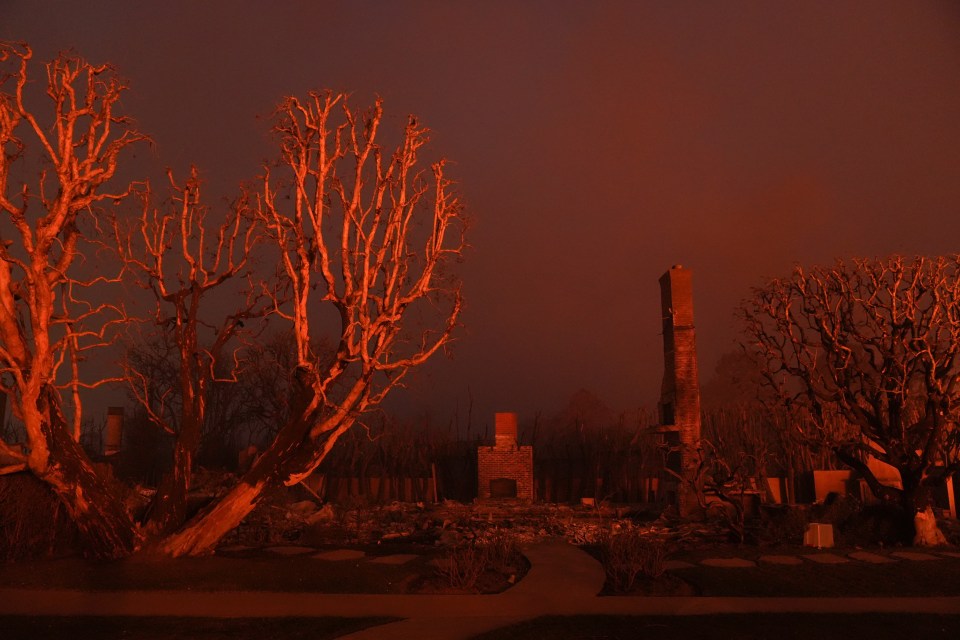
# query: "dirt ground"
262, 569
254, 556
425, 536
282, 550
902, 578
257, 570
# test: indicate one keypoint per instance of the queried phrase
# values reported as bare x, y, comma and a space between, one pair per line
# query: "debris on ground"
285, 516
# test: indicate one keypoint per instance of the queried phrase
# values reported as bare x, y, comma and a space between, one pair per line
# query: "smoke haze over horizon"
596, 144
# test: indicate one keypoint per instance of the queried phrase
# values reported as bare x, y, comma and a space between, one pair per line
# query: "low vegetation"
630, 553
481, 563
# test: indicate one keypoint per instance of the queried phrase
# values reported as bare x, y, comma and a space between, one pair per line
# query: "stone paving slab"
397, 558
236, 548
670, 565
826, 558
338, 555
290, 550
728, 563
914, 555
872, 558
775, 559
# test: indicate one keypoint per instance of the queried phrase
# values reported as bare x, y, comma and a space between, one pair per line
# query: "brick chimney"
505, 427
680, 393
505, 470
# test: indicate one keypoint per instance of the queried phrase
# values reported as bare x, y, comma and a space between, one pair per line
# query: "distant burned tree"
364, 238
266, 380
743, 416
875, 343
391, 450
588, 450
182, 256
247, 400
69, 139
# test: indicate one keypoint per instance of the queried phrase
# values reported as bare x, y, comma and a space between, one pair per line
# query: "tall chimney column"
680, 392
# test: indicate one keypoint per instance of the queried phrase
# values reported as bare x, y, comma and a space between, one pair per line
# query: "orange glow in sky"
596, 144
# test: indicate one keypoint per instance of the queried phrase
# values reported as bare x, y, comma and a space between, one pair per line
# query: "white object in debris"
928, 533
818, 535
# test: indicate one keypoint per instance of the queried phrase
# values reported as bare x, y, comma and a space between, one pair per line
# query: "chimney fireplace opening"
503, 488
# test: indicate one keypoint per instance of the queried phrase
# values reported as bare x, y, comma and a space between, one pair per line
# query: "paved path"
560, 580
563, 580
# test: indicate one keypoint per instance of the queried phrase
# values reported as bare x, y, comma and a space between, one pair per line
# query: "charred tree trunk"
168, 511
201, 535
916, 498
913, 498
107, 530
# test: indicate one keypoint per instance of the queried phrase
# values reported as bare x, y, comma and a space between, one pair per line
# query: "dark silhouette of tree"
868, 349
744, 417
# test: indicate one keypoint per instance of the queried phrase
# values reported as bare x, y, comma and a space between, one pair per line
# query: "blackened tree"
869, 350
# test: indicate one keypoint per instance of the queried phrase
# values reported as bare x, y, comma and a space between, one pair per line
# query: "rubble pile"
283, 518
296, 515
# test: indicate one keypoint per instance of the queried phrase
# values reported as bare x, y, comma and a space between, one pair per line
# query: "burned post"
679, 405
114, 437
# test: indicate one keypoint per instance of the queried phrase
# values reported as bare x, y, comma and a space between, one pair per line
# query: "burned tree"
70, 139
874, 343
366, 234
364, 237
183, 256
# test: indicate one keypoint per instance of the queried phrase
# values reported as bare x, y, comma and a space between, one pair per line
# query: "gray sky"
596, 143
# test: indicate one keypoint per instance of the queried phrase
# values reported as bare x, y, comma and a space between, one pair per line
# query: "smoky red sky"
596, 144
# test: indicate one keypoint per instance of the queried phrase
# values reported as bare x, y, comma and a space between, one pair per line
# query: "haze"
596, 145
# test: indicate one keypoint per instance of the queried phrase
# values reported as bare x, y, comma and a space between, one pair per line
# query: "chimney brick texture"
505, 428
680, 392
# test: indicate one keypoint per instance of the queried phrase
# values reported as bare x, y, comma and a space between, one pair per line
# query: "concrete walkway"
563, 580
560, 580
